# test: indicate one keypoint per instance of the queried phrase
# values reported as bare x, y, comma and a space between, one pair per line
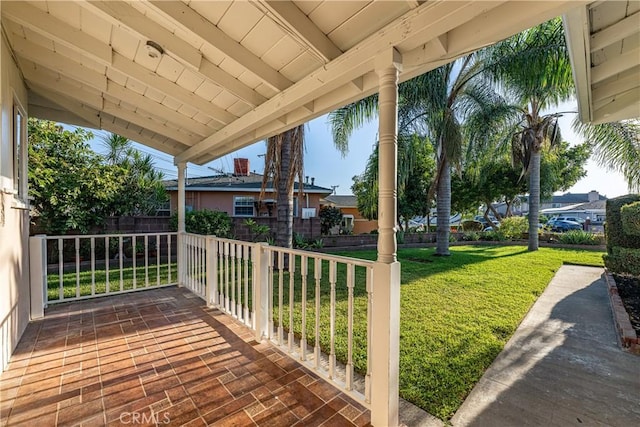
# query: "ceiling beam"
87, 114
622, 107
56, 115
192, 21
161, 111
169, 146
616, 32
294, 20
58, 63
59, 31
121, 13
149, 78
576, 29
615, 65
62, 85
226, 81
433, 19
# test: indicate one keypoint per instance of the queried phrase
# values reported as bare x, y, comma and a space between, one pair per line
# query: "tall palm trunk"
534, 199
284, 234
443, 208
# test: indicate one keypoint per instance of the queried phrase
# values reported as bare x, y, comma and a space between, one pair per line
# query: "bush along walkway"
562, 366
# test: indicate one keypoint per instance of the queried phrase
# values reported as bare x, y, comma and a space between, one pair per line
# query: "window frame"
247, 198
20, 152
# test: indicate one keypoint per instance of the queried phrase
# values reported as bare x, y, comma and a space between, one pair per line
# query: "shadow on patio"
160, 357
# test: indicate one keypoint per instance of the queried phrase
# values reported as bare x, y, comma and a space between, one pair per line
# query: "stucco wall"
14, 223
223, 201
360, 225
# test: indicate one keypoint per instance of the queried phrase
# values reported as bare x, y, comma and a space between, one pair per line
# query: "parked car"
562, 226
565, 218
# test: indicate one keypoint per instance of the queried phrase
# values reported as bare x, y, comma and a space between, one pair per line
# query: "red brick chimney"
241, 167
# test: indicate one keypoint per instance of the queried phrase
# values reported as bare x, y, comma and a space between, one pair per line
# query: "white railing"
316, 307
67, 268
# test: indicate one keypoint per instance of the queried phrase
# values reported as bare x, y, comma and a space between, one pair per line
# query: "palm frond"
344, 121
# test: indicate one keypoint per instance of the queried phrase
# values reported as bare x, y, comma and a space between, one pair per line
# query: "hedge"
630, 216
623, 260
616, 235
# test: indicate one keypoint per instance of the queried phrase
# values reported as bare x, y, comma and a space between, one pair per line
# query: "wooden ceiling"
604, 40
234, 72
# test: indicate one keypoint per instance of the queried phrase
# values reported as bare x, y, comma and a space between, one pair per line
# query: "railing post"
211, 287
38, 273
260, 260
181, 222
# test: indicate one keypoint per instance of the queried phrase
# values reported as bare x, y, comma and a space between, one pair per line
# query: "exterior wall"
360, 225
223, 201
136, 224
14, 222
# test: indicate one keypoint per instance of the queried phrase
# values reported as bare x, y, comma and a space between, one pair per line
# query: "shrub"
258, 231
471, 236
495, 236
207, 222
471, 225
514, 226
616, 235
330, 216
578, 237
623, 260
630, 217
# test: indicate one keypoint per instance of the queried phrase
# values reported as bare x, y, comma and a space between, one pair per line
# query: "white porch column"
385, 347
182, 167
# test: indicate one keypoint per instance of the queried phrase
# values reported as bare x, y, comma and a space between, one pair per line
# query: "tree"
283, 163
142, 191
413, 183
534, 70
435, 104
70, 187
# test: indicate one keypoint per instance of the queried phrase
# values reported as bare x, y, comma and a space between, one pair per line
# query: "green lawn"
457, 312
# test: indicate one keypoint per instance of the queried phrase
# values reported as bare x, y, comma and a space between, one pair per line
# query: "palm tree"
435, 104
283, 163
118, 148
534, 70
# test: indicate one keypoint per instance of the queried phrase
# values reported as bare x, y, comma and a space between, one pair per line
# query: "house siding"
14, 223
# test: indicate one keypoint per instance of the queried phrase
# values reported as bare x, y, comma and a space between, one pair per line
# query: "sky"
330, 168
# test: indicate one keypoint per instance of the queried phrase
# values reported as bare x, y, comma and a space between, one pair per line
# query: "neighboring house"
595, 211
348, 205
238, 194
563, 201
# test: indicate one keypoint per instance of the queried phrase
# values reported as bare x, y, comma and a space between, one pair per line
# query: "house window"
243, 206
19, 153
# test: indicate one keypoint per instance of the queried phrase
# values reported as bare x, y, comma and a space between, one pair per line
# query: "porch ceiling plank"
146, 122
55, 115
616, 32
90, 115
296, 22
616, 87
192, 21
63, 86
622, 107
121, 13
169, 146
59, 63
230, 83
615, 65
47, 25
120, 92
149, 78
429, 18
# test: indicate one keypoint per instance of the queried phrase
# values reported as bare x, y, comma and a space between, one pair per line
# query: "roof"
340, 201
597, 205
230, 182
603, 47
199, 80
574, 198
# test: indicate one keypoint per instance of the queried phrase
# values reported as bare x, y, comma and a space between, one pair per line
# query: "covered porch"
199, 81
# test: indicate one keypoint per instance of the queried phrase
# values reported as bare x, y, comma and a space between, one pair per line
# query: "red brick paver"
160, 357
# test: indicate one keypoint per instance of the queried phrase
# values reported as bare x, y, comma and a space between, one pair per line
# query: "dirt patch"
629, 291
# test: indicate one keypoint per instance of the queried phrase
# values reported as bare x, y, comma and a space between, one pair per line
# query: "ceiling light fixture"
154, 50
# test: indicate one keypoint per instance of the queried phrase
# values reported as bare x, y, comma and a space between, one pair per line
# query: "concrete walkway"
563, 366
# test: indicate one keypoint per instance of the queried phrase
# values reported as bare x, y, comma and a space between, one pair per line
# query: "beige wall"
223, 201
360, 225
14, 223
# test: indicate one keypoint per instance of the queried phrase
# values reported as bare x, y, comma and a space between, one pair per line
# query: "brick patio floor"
160, 357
